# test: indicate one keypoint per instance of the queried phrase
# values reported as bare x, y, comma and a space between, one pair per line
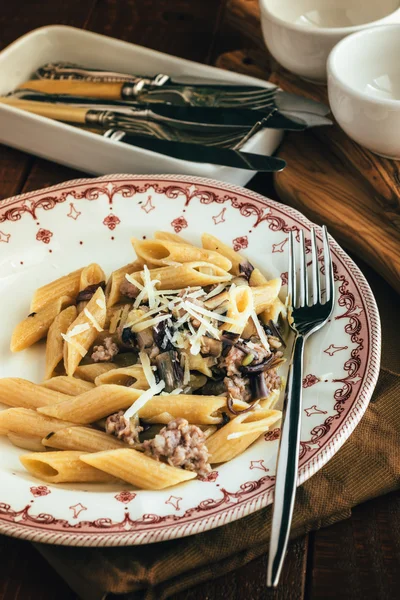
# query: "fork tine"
328, 267
303, 299
316, 286
291, 272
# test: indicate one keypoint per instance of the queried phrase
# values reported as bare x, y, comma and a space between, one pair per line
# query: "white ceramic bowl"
364, 88
301, 33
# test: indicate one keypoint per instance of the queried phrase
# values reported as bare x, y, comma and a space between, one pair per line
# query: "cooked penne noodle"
138, 469
62, 467
273, 311
37, 324
91, 275
64, 286
83, 331
201, 410
68, 385
133, 376
85, 439
166, 334
186, 275
26, 421
171, 237
265, 295
210, 242
25, 394
93, 405
55, 342
160, 253
27, 442
240, 307
113, 294
237, 435
202, 364
90, 372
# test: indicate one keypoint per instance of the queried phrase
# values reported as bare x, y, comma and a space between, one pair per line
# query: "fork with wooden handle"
308, 314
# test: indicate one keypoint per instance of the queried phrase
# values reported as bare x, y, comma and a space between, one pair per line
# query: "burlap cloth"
368, 465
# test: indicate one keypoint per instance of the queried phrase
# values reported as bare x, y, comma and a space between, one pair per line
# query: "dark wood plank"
25, 575
360, 557
249, 581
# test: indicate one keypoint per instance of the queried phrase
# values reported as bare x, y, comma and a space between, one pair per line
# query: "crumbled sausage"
124, 429
128, 289
232, 361
272, 380
238, 388
183, 445
106, 351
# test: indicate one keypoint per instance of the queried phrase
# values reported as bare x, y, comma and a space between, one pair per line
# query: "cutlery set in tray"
194, 120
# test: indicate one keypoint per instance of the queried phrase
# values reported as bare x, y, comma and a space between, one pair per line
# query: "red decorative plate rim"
256, 500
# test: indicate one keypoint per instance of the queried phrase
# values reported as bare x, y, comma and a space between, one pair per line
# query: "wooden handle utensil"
88, 89
59, 112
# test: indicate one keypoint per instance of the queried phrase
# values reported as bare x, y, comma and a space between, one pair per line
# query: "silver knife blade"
201, 154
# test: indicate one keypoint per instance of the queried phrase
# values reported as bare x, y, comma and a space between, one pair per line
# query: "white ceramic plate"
48, 233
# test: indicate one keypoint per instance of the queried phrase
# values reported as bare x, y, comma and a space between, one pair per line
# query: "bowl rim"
331, 31
334, 73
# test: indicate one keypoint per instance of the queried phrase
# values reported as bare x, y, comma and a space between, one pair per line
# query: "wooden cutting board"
329, 178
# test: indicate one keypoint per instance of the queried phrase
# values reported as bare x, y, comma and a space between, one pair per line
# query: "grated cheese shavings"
211, 314
149, 286
209, 327
81, 349
100, 303
260, 330
133, 281
147, 370
78, 329
143, 398
149, 323
220, 288
92, 319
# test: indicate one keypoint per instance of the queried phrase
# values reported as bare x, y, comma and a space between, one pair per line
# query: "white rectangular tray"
87, 151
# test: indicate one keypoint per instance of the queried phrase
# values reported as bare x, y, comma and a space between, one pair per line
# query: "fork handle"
287, 464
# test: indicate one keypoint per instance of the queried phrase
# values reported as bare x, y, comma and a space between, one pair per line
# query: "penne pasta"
90, 372
237, 435
25, 394
99, 402
84, 439
130, 376
265, 295
161, 252
83, 331
201, 410
179, 318
68, 385
55, 342
274, 311
240, 307
113, 293
91, 275
186, 275
28, 422
27, 442
64, 286
171, 237
37, 324
210, 242
138, 469
202, 364
62, 467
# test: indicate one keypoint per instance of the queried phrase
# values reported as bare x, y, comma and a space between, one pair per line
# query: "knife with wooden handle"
183, 150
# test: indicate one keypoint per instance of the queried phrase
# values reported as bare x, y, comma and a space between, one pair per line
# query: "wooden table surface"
351, 560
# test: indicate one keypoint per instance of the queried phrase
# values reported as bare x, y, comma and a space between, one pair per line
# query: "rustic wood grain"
359, 558
354, 192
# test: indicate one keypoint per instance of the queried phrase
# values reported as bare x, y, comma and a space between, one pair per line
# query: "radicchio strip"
87, 293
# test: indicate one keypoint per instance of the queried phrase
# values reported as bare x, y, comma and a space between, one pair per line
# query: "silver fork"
309, 313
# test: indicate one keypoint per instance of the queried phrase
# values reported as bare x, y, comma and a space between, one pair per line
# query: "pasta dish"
152, 376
